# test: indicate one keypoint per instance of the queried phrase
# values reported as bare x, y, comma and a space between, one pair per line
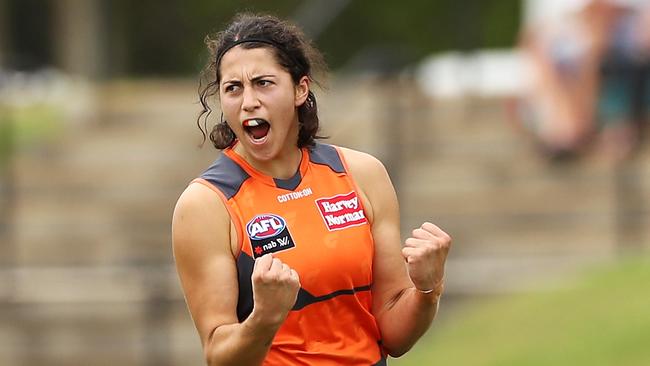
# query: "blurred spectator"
567, 43
561, 52
624, 97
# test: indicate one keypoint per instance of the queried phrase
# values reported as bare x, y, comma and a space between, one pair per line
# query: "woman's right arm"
201, 234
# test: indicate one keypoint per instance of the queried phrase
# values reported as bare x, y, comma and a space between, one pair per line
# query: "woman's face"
259, 100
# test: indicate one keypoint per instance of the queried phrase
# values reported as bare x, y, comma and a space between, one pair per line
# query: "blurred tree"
28, 40
164, 40
415, 29
81, 35
4, 29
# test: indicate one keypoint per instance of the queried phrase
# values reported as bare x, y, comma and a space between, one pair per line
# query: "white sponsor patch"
341, 211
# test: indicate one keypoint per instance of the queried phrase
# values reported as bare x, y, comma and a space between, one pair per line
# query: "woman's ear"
302, 91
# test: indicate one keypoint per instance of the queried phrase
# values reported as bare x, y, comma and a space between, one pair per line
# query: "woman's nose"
250, 100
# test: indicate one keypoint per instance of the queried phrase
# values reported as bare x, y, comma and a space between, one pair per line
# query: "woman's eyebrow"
253, 79
256, 78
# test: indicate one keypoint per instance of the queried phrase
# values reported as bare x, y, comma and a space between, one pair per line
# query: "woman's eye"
231, 88
263, 83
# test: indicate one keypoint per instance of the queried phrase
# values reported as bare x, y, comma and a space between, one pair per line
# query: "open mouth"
257, 128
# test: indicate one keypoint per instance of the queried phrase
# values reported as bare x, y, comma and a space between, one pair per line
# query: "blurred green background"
98, 138
598, 317
147, 38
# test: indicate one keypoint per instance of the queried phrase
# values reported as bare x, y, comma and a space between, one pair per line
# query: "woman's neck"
284, 166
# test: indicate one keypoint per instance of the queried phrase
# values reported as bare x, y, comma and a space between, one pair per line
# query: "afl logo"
265, 226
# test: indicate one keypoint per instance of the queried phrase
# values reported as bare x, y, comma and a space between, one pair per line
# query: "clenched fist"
275, 289
425, 253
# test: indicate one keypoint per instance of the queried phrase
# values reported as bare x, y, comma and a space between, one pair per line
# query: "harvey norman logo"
341, 211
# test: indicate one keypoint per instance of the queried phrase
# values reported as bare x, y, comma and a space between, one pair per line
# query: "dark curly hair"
292, 51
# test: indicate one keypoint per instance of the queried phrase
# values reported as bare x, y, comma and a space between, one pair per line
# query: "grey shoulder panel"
226, 175
324, 154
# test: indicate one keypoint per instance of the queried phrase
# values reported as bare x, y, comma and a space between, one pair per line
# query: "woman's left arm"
403, 304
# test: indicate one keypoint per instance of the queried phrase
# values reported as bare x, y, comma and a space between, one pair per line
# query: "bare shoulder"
198, 216
363, 166
198, 202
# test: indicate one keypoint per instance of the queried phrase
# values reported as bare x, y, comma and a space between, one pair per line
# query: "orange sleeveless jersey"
315, 223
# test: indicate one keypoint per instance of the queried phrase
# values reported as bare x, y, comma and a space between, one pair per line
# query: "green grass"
601, 318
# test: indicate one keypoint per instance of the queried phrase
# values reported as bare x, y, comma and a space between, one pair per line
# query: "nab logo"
268, 233
265, 226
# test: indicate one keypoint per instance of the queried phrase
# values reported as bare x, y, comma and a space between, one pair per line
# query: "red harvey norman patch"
341, 211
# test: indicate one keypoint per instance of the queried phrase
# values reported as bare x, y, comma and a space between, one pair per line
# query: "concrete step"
107, 333
104, 315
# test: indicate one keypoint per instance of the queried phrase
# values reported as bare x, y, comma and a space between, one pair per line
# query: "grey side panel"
245, 304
